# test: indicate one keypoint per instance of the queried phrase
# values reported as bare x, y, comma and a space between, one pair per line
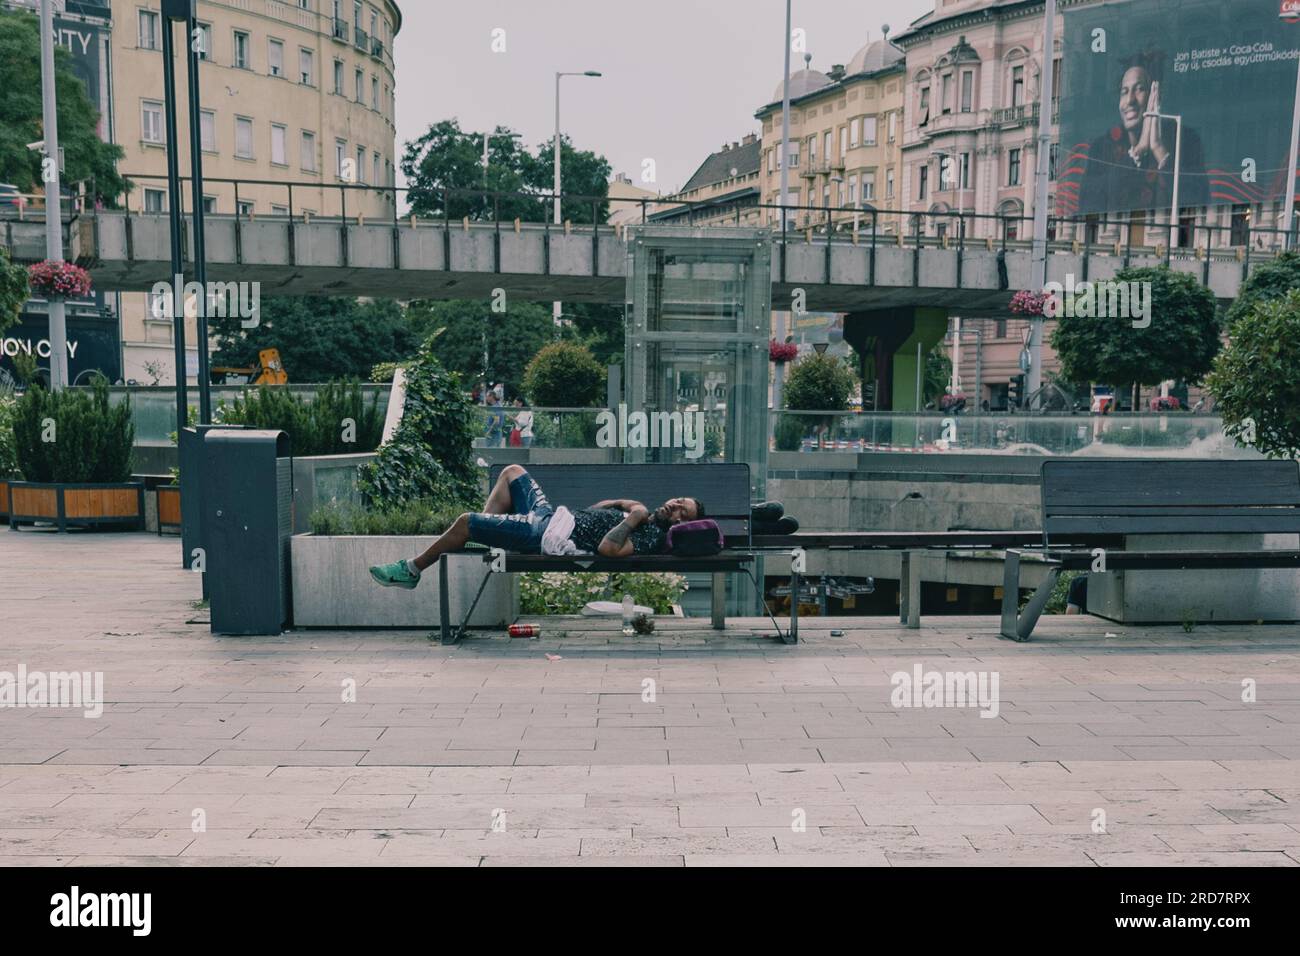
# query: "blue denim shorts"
521, 531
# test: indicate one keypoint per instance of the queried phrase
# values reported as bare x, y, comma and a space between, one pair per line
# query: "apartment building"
845, 141
297, 91
724, 190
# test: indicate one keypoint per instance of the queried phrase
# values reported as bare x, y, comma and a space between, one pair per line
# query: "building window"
208, 131
307, 152
1051, 161
205, 40
148, 30
374, 95
306, 67
844, 141
889, 184
1056, 81
826, 196
241, 51
275, 57
359, 86
278, 153
893, 118
279, 210
210, 205
812, 151
963, 172
967, 90
151, 121
361, 164
923, 111
340, 152
244, 209
1000, 329
338, 77
1017, 86
154, 200
794, 156
1013, 167
869, 130
945, 105
827, 145
924, 172
243, 137
377, 170
771, 160
853, 134
868, 187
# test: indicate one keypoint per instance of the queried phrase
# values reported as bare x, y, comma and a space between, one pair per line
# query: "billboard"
1227, 67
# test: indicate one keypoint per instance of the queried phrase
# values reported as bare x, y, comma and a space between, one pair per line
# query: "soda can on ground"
525, 630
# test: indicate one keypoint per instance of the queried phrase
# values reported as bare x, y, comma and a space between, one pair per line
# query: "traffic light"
1015, 391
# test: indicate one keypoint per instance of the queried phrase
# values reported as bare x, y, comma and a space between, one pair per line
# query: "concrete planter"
332, 586
1202, 596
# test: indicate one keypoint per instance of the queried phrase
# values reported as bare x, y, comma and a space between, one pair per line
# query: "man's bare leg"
498, 499
453, 539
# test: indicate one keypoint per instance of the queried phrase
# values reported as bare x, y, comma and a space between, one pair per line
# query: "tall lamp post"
1291, 14
53, 209
1178, 168
556, 308
1038, 274
783, 163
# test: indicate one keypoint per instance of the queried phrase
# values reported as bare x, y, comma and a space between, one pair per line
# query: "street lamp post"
1178, 169
1042, 169
58, 331
1291, 14
556, 308
783, 163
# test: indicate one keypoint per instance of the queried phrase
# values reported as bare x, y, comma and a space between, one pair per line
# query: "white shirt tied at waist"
557, 538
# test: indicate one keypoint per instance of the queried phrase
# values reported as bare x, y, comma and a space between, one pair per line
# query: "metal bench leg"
1034, 609
444, 610
914, 592
1016, 626
904, 585
718, 599
444, 603
762, 597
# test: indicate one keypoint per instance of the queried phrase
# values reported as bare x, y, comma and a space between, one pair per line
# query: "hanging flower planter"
1028, 303
58, 280
782, 352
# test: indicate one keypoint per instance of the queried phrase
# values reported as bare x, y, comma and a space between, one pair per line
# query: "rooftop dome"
876, 55
801, 84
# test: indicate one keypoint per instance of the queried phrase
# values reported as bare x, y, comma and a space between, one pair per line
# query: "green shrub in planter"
73, 435
789, 432
8, 450
542, 592
315, 426
414, 518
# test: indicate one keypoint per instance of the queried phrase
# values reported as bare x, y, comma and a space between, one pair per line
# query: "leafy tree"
13, 290
444, 169
86, 156
818, 383
429, 458
564, 375
1256, 378
937, 375
1267, 281
1180, 342
320, 339
513, 337
601, 327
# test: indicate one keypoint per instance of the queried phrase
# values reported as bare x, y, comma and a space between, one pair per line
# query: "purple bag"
695, 539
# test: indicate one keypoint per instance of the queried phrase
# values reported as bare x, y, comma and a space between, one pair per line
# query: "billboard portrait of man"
1220, 66
1131, 165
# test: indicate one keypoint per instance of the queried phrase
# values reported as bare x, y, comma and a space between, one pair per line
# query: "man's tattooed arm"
617, 543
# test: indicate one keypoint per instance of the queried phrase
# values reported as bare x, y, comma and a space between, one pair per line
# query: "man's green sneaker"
395, 575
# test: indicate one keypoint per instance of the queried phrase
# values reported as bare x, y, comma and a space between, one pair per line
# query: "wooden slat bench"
723, 488
1154, 496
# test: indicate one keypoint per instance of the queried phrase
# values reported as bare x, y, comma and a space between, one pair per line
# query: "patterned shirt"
590, 525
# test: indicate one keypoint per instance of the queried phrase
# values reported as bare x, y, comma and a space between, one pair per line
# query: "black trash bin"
247, 521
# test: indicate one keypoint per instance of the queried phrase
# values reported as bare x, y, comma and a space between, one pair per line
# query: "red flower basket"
781, 352
1026, 302
63, 280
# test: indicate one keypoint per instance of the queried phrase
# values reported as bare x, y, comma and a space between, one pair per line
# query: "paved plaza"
1111, 745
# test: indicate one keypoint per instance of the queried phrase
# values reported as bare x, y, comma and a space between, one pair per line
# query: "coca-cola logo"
1290, 9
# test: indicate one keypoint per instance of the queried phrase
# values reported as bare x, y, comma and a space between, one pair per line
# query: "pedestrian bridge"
437, 259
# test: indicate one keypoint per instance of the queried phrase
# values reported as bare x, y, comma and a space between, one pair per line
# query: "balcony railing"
1013, 115
361, 39
340, 31
377, 48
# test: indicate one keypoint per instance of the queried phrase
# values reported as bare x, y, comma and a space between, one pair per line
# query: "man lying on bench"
518, 518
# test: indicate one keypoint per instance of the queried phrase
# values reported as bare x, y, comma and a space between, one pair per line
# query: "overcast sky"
680, 76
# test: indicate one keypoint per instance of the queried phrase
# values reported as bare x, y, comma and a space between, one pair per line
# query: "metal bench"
724, 489
1092, 499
